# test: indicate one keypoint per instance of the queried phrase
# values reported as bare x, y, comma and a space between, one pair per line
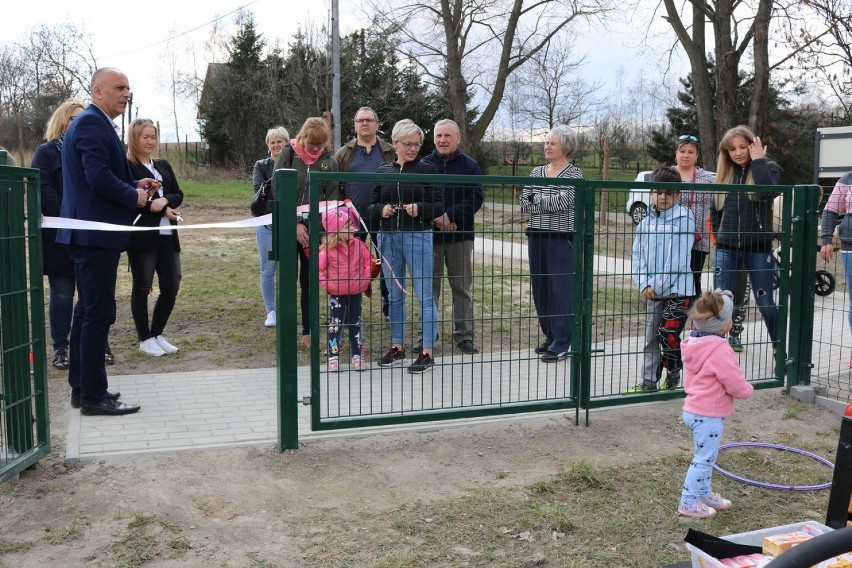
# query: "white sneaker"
165, 345
152, 348
270, 319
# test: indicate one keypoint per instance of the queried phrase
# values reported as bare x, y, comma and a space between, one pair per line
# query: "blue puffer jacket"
461, 202
661, 252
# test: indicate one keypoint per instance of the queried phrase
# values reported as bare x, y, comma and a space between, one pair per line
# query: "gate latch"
305, 400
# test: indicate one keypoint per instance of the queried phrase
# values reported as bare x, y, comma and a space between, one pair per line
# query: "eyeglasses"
141, 121
365, 120
411, 145
689, 137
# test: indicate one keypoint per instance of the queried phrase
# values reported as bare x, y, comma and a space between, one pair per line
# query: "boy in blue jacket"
662, 273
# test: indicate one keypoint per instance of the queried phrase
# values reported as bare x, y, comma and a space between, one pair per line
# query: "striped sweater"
550, 207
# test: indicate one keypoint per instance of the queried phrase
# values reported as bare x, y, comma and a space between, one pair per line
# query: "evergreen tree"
789, 132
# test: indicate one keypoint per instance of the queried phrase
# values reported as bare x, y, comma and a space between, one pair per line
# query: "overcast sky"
137, 47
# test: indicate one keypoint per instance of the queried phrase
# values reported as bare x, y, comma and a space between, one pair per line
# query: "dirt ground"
249, 506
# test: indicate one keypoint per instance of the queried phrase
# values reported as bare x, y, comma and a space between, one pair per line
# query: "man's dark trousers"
96, 270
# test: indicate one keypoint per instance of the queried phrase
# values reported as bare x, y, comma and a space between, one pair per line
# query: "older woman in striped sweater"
550, 240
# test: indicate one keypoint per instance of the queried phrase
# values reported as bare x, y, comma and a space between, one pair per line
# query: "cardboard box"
701, 559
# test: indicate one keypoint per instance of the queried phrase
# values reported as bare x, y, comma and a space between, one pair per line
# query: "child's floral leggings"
345, 312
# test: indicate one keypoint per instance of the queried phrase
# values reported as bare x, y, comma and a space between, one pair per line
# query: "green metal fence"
831, 339
507, 376
24, 424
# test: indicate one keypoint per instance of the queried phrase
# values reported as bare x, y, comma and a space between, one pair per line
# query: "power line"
168, 39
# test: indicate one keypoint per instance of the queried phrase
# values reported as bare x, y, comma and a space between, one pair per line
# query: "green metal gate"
506, 376
24, 424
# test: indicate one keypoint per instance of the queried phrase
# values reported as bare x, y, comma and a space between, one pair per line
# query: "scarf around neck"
303, 152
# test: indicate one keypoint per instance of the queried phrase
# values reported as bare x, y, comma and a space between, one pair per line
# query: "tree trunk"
757, 109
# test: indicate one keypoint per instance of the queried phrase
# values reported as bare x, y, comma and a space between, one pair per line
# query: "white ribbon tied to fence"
65, 223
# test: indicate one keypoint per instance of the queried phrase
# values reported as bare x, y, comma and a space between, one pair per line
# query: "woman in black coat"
56, 262
153, 251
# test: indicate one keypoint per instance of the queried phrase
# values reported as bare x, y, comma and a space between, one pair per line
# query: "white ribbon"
79, 225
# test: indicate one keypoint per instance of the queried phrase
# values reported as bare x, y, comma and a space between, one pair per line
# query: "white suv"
638, 200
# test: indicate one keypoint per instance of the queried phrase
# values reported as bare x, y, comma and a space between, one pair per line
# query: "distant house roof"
213, 71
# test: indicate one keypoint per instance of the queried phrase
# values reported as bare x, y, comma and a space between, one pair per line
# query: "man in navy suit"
98, 186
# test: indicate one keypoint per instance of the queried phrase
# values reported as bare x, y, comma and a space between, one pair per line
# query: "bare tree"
551, 89
736, 25
478, 44
819, 33
37, 72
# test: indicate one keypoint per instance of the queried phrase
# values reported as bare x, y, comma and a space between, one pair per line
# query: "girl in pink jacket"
713, 380
344, 269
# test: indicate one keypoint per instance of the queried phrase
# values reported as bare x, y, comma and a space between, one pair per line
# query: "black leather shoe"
552, 357
75, 400
109, 358
541, 349
466, 346
108, 406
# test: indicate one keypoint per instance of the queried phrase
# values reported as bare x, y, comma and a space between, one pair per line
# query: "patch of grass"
794, 410
71, 533
9, 547
147, 538
549, 523
583, 475
502, 474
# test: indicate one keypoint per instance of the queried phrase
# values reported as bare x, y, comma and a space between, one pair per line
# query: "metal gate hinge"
305, 400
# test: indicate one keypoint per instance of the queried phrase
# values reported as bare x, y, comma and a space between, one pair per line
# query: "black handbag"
260, 201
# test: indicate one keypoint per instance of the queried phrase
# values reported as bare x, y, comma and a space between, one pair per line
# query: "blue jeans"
414, 250
552, 281
707, 437
760, 267
60, 308
267, 267
846, 259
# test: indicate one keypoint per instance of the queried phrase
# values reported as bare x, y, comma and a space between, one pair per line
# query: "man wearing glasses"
362, 155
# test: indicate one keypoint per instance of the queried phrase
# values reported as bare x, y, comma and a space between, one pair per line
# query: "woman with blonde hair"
153, 251
743, 224
276, 139
404, 213
56, 260
308, 151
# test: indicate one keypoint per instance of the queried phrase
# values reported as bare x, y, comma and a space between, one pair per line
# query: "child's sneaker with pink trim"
717, 502
357, 363
333, 364
698, 510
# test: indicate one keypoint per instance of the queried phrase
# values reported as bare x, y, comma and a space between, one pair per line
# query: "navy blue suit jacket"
97, 182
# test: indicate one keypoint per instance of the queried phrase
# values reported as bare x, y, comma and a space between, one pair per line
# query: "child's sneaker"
717, 502
357, 363
333, 364
698, 510
640, 388
423, 363
735, 343
672, 380
392, 357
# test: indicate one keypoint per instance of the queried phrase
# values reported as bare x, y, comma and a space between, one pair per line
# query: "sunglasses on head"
689, 137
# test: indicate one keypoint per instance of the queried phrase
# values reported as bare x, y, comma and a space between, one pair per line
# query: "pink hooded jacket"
713, 378
344, 270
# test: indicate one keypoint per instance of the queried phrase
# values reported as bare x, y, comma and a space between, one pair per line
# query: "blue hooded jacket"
661, 252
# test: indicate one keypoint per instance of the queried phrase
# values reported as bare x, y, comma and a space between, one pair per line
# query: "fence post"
284, 251
802, 279
585, 227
